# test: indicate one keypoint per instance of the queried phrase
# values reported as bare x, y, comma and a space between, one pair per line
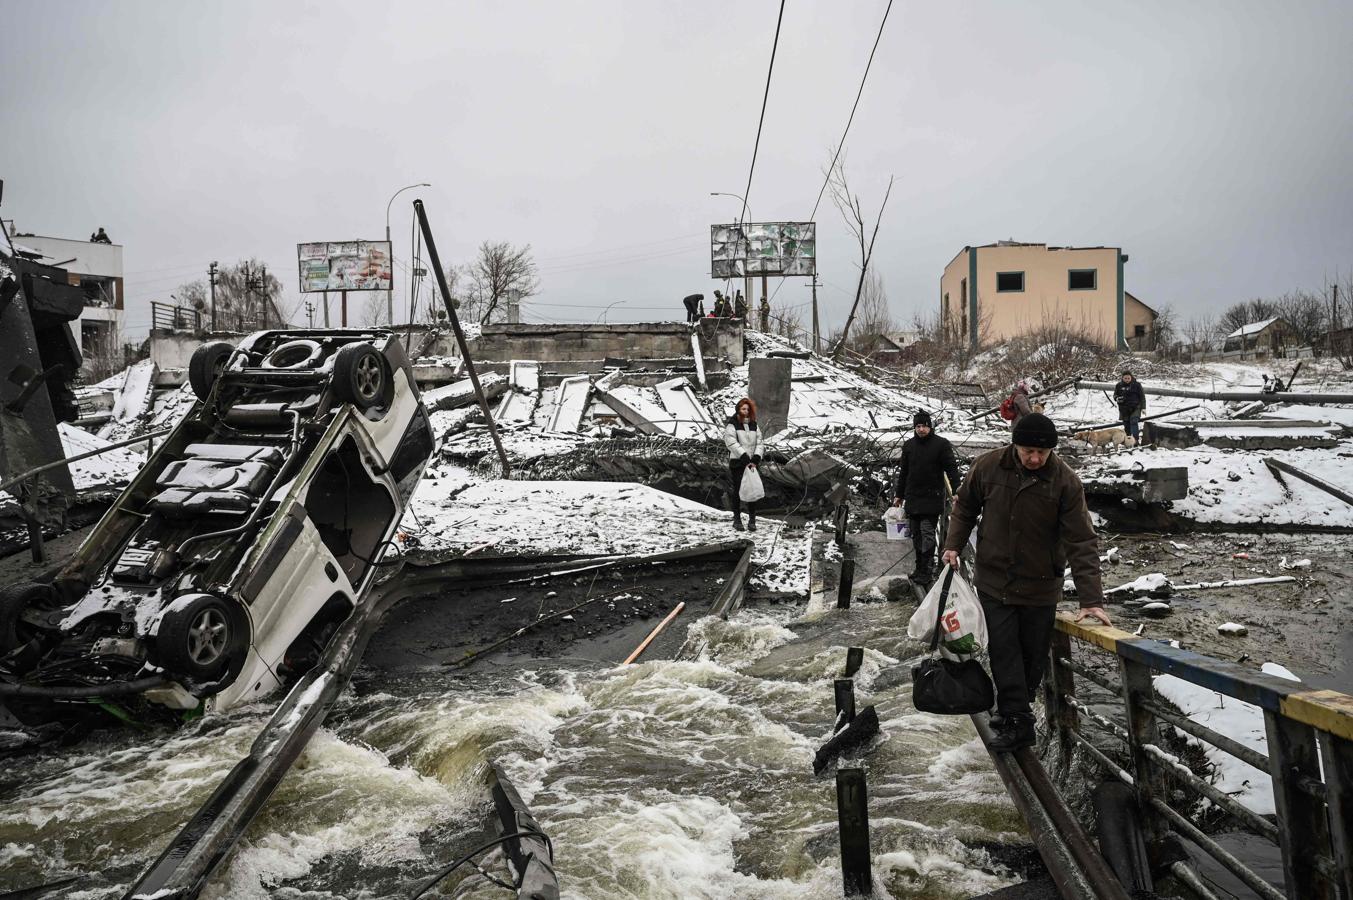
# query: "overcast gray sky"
1210, 140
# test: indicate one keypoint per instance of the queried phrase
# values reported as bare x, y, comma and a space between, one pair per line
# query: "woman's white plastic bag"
751, 489
963, 625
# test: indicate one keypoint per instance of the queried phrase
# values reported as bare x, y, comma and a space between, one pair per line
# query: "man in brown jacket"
1034, 523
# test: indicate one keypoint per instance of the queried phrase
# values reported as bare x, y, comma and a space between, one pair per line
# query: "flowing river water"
665, 779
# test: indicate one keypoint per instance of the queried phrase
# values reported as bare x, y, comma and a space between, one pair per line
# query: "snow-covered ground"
1242, 722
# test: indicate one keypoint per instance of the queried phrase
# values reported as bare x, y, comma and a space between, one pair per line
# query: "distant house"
1265, 336
96, 268
1000, 291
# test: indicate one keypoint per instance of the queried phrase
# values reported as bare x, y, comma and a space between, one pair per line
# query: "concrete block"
769, 386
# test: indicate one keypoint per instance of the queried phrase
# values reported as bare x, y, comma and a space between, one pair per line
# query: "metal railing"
168, 317
1305, 729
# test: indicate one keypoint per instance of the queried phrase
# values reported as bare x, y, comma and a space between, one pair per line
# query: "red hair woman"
743, 440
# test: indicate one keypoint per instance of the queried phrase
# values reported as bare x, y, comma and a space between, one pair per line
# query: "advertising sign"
345, 266
763, 248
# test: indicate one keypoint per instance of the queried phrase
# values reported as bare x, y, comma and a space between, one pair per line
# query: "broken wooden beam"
861, 730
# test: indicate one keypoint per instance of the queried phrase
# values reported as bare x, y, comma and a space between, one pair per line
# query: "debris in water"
1234, 628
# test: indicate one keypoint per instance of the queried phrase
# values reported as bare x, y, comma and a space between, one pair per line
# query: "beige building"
998, 291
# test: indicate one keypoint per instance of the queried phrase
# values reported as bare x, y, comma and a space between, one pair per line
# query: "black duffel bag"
946, 687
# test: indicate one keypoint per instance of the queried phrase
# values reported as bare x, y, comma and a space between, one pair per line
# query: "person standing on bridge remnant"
1131, 400
743, 440
927, 459
1034, 523
695, 304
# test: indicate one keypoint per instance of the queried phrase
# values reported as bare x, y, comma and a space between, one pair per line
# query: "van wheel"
198, 637
16, 636
206, 365
361, 375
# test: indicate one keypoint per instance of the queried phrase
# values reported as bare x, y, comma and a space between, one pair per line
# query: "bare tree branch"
852, 211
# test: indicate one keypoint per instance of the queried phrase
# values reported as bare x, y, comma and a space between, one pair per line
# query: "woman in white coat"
743, 440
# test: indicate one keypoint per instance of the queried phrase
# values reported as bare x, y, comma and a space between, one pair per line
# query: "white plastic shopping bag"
895, 524
964, 626
751, 489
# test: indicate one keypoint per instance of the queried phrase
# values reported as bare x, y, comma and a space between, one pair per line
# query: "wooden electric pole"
817, 336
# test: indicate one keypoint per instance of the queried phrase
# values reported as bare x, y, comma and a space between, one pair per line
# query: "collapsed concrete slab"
461, 393
1252, 434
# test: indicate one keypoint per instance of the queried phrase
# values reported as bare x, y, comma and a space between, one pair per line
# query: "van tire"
206, 365
200, 638
361, 376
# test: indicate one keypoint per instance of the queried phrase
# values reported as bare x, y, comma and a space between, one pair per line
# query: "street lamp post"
602, 318
747, 279
390, 292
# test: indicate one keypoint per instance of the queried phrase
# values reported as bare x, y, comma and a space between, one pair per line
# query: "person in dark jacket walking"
927, 459
1131, 400
1034, 522
743, 440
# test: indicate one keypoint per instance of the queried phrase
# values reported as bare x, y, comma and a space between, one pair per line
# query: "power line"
858, 94
762, 120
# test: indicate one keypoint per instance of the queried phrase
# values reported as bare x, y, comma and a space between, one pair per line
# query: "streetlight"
736, 197
389, 292
602, 317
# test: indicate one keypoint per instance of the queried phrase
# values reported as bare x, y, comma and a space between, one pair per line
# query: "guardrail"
1310, 755
168, 317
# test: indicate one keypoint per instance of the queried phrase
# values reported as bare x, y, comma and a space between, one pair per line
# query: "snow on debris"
113, 469
458, 514
1240, 721
1234, 486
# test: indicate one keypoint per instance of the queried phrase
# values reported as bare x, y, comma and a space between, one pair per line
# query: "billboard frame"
329, 256
744, 247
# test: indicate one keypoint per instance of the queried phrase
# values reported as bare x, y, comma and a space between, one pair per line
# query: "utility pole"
817, 337
309, 314
765, 306
263, 290
211, 279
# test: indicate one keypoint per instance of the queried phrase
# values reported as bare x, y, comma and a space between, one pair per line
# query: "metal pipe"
1047, 839
437, 269
24, 476
1203, 733
1272, 397
1184, 872
1218, 852
1094, 677
1255, 822
1091, 862
82, 691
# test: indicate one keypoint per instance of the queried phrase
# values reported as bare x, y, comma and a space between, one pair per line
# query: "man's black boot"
737, 521
1014, 733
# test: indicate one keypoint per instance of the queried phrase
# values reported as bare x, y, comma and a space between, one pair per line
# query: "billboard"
763, 248
345, 266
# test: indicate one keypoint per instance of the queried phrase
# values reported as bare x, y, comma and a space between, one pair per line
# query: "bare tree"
1307, 313
852, 211
501, 270
875, 318
245, 299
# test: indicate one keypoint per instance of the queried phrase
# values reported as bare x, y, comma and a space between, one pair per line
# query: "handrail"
24, 476
1310, 754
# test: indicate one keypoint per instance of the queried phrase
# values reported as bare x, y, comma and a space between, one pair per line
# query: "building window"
1009, 282
1082, 279
1139, 330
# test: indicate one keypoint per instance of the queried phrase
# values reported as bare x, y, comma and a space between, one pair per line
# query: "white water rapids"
664, 779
